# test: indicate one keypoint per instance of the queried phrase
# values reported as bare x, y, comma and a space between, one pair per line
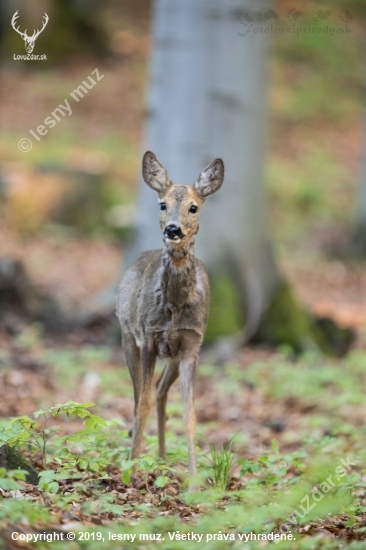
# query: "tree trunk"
208, 99
358, 243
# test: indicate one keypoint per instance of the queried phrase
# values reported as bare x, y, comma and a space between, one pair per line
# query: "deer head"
28, 40
180, 204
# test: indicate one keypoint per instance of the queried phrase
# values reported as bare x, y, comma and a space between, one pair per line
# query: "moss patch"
12, 459
286, 322
226, 317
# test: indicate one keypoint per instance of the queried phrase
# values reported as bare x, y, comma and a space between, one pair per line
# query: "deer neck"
178, 275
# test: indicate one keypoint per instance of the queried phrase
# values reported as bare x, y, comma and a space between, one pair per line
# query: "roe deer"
164, 300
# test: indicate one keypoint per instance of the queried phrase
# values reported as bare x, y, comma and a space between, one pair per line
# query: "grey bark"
208, 99
358, 242
362, 191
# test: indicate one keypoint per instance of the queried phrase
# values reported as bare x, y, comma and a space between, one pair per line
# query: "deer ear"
154, 173
210, 179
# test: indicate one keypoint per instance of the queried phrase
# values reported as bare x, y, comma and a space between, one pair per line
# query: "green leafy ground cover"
292, 458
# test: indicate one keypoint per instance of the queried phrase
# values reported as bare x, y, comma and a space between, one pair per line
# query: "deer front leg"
187, 372
144, 401
168, 377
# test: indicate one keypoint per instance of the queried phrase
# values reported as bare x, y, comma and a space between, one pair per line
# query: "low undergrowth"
280, 444
86, 477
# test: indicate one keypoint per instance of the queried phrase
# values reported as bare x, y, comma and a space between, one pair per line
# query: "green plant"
24, 430
8, 479
273, 469
147, 464
222, 463
49, 480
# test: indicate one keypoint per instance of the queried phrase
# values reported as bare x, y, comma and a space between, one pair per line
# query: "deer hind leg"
167, 378
144, 399
187, 372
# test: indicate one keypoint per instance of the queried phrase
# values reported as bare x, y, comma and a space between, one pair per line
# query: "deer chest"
172, 331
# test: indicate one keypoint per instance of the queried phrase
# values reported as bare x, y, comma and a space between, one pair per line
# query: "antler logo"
28, 40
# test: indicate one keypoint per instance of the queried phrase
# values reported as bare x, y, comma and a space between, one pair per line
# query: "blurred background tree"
208, 98
357, 245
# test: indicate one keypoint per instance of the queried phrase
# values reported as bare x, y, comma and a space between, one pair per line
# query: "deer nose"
173, 232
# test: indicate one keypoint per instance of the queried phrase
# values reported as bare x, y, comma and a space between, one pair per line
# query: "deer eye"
162, 206
193, 209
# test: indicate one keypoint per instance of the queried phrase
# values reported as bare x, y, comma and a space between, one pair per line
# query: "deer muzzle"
173, 233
